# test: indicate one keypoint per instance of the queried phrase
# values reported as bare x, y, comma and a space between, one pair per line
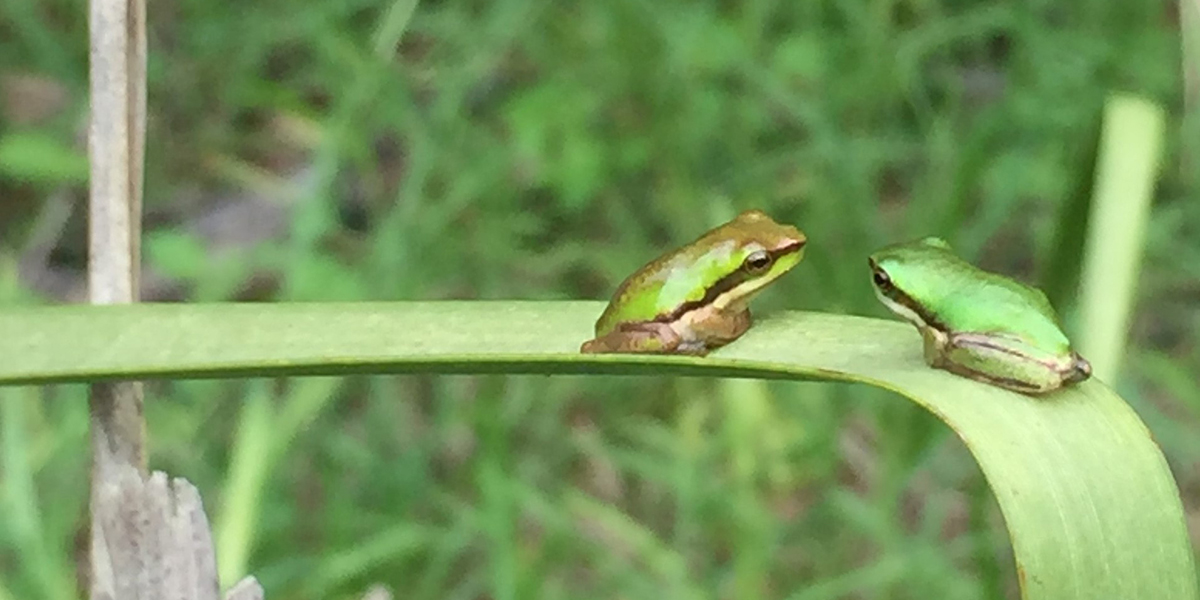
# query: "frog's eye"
882, 281
757, 262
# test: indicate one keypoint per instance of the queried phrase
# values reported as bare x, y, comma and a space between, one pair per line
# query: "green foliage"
38, 158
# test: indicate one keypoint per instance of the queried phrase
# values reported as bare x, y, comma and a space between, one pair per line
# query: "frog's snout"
792, 243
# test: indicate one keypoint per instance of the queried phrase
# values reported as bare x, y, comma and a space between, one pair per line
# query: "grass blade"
248, 470
39, 559
1189, 26
1128, 166
1086, 494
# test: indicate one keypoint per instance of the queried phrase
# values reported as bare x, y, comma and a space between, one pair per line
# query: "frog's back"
995, 304
638, 298
667, 283
962, 297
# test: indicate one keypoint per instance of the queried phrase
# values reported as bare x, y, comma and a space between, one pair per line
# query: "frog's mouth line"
728, 283
894, 297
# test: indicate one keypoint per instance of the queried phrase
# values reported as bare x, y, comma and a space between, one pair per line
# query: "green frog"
974, 323
694, 299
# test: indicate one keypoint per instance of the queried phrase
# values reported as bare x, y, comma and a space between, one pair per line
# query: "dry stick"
117, 79
150, 539
115, 147
162, 544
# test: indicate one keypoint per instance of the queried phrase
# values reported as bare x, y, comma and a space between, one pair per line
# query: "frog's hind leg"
978, 357
636, 338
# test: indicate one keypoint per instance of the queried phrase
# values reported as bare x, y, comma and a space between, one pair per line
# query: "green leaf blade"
1090, 504
1126, 174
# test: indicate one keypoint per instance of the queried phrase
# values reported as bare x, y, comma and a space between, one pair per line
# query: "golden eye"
882, 281
757, 262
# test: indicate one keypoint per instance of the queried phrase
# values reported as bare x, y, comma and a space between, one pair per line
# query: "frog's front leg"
934, 343
639, 338
1005, 361
723, 328
710, 328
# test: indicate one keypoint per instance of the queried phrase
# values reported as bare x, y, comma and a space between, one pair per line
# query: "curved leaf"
1090, 505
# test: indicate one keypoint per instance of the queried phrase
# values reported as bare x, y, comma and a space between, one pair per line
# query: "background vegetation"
307, 151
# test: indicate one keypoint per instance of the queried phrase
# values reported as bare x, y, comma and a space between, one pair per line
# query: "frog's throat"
733, 289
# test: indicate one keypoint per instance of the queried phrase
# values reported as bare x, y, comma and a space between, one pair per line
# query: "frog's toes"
694, 348
1080, 369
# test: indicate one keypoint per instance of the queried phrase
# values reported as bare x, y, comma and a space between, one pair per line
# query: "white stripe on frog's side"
900, 309
738, 297
728, 303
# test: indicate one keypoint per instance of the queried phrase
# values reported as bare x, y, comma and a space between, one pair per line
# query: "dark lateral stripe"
998, 348
904, 300
722, 285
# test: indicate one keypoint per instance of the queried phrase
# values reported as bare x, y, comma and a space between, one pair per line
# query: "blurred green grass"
530, 149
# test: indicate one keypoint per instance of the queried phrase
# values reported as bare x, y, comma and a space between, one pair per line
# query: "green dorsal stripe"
723, 285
